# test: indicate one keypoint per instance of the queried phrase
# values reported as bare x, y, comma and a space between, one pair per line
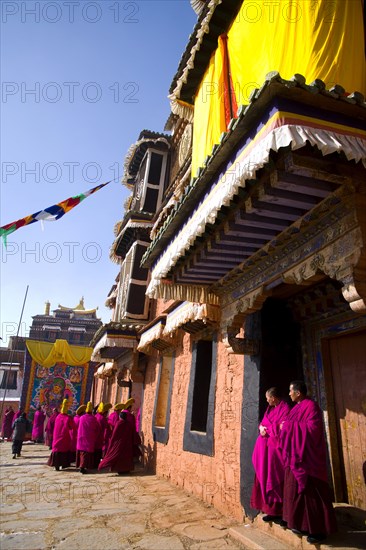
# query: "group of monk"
97, 441
289, 459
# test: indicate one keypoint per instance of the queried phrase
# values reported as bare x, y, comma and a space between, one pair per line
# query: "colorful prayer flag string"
52, 213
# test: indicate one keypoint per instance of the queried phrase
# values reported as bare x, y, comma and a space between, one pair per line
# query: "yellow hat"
119, 407
89, 407
81, 410
107, 406
129, 403
100, 407
65, 406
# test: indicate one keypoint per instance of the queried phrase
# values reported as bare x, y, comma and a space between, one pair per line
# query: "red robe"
307, 502
61, 446
88, 433
50, 426
267, 494
6, 429
119, 457
38, 426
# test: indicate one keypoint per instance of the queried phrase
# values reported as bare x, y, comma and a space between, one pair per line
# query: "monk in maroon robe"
119, 457
102, 442
38, 425
88, 433
267, 493
79, 413
307, 503
114, 415
6, 428
61, 444
50, 426
130, 417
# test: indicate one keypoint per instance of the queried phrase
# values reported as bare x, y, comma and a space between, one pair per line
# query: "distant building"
11, 373
57, 358
75, 325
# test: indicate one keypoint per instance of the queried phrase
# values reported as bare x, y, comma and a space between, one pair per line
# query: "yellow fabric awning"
48, 354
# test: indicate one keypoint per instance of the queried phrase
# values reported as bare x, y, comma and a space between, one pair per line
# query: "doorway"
346, 358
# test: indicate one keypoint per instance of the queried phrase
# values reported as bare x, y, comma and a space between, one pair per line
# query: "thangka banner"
50, 214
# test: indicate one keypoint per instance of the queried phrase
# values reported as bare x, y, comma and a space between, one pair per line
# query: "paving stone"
158, 542
23, 541
64, 528
93, 539
15, 525
199, 531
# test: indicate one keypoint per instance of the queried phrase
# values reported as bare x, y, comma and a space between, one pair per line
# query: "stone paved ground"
45, 509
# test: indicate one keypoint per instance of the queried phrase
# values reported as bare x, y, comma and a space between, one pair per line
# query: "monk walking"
6, 428
88, 432
119, 457
61, 444
38, 425
50, 426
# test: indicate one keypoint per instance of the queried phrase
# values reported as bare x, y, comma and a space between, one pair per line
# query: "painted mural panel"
48, 386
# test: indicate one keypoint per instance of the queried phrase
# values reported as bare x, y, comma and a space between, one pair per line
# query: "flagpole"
12, 354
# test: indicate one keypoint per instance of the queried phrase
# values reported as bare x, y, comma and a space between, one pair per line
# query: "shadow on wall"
149, 456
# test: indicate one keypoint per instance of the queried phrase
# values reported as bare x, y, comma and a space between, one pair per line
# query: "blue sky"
80, 80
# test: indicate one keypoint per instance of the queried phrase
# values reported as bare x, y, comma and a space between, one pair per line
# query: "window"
161, 415
198, 432
8, 379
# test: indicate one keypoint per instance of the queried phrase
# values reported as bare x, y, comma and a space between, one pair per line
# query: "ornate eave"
215, 19
137, 152
310, 96
135, 225
113, 338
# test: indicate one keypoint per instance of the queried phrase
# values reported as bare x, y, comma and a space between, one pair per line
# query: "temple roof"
78, 309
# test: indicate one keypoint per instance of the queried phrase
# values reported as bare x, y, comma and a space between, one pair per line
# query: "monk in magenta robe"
102, 442
79, 413
38, 425
17, 414
119, 457
50, 426
114, 415
307, 503
267, 493
88, 433
61, 445
6, 428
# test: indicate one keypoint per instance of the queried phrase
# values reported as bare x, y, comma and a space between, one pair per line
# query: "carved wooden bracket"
241, 346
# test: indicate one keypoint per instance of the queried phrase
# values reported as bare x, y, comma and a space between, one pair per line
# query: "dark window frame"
194, 441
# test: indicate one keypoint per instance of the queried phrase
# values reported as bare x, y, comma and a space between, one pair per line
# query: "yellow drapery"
316, 38
209, 109
47, 354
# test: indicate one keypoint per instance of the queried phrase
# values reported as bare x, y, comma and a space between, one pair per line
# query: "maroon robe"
61, 445
100, 445
38, 426
267, 493
50, 426
307, 502
6, 428
119, 457
113, 419
88, 433
136, 439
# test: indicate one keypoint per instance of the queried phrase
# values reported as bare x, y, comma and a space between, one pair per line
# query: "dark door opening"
280, 349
